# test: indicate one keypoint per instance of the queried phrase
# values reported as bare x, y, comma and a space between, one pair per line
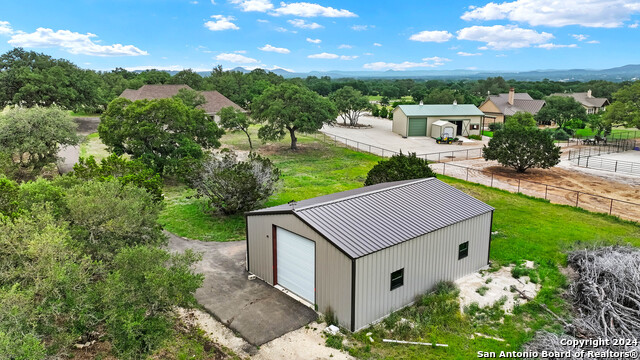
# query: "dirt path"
69, 155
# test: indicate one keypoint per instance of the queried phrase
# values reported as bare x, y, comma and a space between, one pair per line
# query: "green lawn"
93, 146
487, 133
618, 133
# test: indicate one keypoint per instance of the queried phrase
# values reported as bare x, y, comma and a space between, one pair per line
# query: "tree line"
29, 78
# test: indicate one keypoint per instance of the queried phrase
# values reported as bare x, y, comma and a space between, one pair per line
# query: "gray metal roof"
362, 221
441, 110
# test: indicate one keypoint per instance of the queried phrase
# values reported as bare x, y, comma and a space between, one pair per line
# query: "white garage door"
296, 264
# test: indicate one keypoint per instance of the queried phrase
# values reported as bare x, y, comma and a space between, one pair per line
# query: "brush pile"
606, 299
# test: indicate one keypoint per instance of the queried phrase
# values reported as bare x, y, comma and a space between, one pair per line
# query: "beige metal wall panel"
400, 121
426, 260
333, 268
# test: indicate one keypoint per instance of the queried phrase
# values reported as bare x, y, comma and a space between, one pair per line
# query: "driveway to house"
252, 308
70, 154
380, 135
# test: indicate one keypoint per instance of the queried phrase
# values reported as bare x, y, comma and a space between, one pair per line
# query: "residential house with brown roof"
497, 107
214, 100
592, 104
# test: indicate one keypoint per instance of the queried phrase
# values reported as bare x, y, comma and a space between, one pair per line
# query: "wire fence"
441, 164
555, 194
590, 157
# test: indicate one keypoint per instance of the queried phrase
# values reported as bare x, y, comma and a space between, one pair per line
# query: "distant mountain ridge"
622, 73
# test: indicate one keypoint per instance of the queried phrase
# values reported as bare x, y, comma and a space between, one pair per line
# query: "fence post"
467, 154
616, 169
546, 190
518, 185
467, 174
382, 152
577, 198
611, 207
587, 162
444, 168
492, 179
438, 157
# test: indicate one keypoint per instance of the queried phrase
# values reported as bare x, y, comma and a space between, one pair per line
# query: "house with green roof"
418, 120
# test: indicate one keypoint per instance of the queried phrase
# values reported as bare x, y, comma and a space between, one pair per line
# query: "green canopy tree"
190, 97
188, 77
350, 104
34, 135
522, 148
289, 107
521, 119
625, 109
560, 109
165, 134
234, 119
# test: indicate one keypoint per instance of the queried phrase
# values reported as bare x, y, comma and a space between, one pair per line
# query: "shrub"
496, 126
106, 216
375, 110
475, 137
140, 292
125, 171
384, 112
399, 167
231, 186
561, 134
482, 290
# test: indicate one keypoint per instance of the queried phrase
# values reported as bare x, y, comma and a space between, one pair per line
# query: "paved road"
254, 309
70, 154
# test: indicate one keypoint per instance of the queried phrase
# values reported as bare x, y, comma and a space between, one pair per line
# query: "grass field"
487, 133
93, 146
525, 229
616, 133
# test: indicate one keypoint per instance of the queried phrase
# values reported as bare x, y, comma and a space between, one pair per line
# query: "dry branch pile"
606, 296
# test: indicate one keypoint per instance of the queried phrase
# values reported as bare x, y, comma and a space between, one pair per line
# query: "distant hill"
622, 73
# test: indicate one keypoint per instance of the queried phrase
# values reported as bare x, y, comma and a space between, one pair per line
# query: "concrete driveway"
380, 135
252, 308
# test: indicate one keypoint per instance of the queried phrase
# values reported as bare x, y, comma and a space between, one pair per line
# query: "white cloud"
587, 13
500, 37
345, 46
221, 23
314, 41
262, 21
431, 36
299, 23
323, 55
270, 48
276, 67
240, 51
236, 58
501, 55
634, 25
305, 9
253, 5
377, 44
348, 57
368, 54
362, 27
5, 28
462, 53
426, 63
593, 42
580, 37
72, 42
162, 68
213, 2
550, 46
193, 2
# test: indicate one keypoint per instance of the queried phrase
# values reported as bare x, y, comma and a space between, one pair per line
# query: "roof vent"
421, 103
455, 102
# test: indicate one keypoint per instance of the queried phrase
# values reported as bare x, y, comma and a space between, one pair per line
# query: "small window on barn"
463, 250
397, 279
475, 126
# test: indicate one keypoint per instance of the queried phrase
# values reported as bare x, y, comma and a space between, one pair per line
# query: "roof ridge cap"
361, 195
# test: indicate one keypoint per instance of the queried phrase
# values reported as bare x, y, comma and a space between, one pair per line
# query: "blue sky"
515, 35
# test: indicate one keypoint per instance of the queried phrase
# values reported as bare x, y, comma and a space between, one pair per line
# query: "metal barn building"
367, 252
418, 120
